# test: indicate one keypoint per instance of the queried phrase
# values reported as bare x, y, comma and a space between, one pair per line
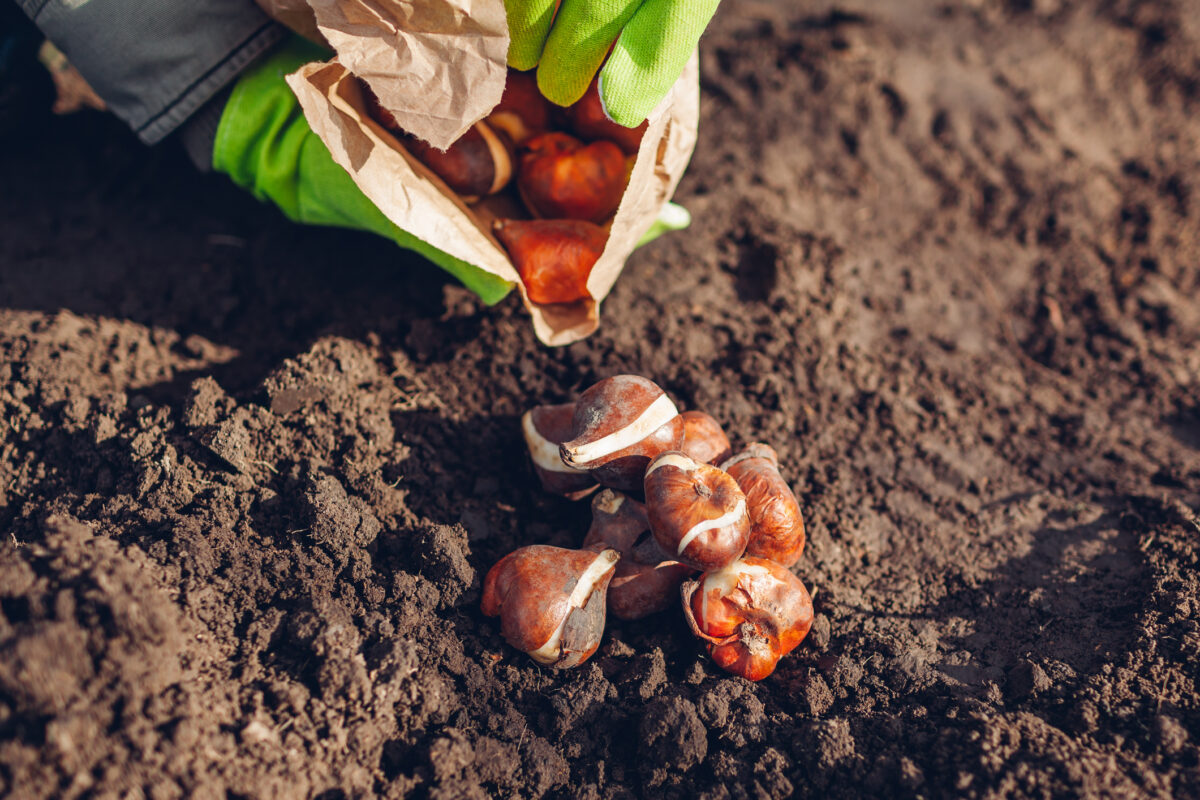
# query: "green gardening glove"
654, 40
265, 145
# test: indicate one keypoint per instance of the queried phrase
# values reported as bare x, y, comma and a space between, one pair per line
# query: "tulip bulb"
776, 524
752, 613
522, 111
588, 120
646, 580
703, 438
545, 428
620, 424
562, 178
554, 257
551, 601
697, 512
479, 163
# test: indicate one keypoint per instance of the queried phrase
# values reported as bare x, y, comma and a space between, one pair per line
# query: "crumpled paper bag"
437, 65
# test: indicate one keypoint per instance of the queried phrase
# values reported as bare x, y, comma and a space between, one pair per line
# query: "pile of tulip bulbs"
715, 533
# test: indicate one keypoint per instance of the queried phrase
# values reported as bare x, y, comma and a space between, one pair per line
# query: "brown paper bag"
418, 201
437, 65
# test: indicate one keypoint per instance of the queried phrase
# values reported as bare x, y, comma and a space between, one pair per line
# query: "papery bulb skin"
559, 177
544, 429
776, 523
751, 613
646, 581
697, 512
703, 438
588, 120
551, 601
553, 256
620, 424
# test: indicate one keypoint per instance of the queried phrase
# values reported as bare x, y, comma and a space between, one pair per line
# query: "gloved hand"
654, 40
264, 143
266, 146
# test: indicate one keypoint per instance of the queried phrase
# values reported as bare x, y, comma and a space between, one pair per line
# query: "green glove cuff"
267, 147
671, 217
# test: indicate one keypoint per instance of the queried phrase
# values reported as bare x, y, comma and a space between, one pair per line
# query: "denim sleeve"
155, 62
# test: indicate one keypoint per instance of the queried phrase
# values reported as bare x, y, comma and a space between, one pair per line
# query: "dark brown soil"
946, 258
